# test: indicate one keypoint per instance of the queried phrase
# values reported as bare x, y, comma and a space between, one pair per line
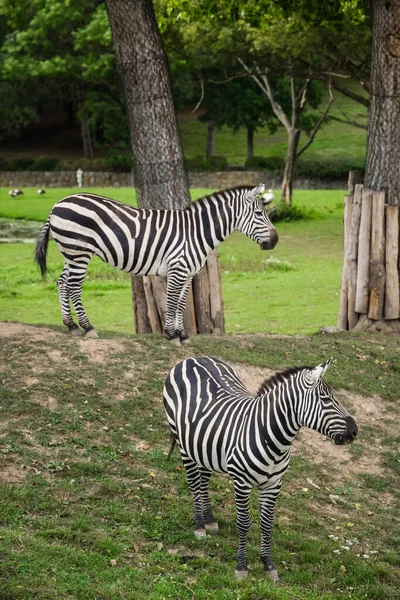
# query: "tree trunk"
382, 173
210, 149
290, 165
158, 163
250, 142
383, 149
85, 132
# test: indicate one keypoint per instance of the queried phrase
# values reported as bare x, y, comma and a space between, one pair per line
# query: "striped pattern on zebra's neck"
279, 397
215, 217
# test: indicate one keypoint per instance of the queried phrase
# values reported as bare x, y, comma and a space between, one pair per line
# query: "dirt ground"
336, 459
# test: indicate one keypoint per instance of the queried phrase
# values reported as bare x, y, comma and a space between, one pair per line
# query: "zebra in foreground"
221, 427
172, 243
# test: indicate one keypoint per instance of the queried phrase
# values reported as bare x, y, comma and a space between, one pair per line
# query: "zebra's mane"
219, 193
272, 381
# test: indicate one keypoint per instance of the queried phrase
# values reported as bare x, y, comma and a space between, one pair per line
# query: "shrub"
118, 161
81, 163
22, 163
44, 163
199, 163
283, 212
333, 169
275, 164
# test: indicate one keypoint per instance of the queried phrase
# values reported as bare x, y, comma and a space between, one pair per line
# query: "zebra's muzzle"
271, 242
349, 435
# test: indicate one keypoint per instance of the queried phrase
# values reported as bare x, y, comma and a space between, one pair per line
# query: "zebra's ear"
319, 371
255, 192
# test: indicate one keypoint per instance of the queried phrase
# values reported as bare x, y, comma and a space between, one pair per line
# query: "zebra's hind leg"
63, 294
194, 480
77, 272
177, 290
267, 507
210, 524
243, 521
180, 311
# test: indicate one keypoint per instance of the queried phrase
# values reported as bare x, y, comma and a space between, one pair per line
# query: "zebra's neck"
215, 216
280, 413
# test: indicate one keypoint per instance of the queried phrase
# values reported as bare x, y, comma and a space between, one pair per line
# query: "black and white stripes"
220, 427
172, 243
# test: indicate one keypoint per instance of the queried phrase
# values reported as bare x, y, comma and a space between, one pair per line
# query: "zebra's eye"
258, 212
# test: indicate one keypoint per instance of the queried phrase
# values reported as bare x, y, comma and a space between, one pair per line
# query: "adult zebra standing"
172, 243
220, 427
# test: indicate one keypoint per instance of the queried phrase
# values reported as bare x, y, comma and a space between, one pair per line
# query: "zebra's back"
207, 408
128, 238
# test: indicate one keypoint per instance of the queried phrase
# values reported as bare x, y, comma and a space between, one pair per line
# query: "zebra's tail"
41, 247
173, 444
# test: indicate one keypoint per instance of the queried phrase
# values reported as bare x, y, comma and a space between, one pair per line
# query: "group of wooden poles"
369, 298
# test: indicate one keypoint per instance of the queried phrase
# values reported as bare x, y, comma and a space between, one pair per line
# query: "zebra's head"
322, 411
253, 220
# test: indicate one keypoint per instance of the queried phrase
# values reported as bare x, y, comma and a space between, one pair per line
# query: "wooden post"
342, 319
364, 248
202, 301
354, 178
377, 270
142, 324
352, 255
392, 300
216, 303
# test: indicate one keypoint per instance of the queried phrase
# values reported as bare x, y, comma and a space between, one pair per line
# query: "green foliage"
275, 164
201, 163
285, 213
81, 163
338, 169
44, 163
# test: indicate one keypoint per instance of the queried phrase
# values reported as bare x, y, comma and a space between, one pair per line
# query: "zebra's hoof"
76, 332
200, 533
211, 528
241, 574
273, 575
175, 340
92, 333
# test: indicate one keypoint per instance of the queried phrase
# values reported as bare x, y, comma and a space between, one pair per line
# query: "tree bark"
158, 163
290, 165
250, 142
210, 148
85, 131
383, 148
159, 171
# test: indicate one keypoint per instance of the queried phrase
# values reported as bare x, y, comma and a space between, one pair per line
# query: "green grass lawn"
92, 509
292, 289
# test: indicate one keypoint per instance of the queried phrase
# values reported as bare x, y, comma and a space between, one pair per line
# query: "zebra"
220, 427
171, 243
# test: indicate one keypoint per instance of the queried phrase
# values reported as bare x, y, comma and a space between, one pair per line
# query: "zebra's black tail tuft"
173, 444
41, 247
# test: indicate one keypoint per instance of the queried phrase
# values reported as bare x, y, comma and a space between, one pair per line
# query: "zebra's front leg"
210, 524
267, 507
62, 285
243, 521
194, 480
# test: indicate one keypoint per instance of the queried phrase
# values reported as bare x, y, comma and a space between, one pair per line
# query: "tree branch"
201, 95
262, 81
317, 125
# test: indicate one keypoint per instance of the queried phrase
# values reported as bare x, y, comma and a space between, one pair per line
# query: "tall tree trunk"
158, 163
290, 165
210, 148
383, 148
159, 170
381, 311
250, 142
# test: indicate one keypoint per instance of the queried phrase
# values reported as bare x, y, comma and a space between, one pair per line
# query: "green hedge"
197, 164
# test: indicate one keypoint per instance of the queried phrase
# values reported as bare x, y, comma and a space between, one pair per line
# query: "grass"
294, 289
88, 513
